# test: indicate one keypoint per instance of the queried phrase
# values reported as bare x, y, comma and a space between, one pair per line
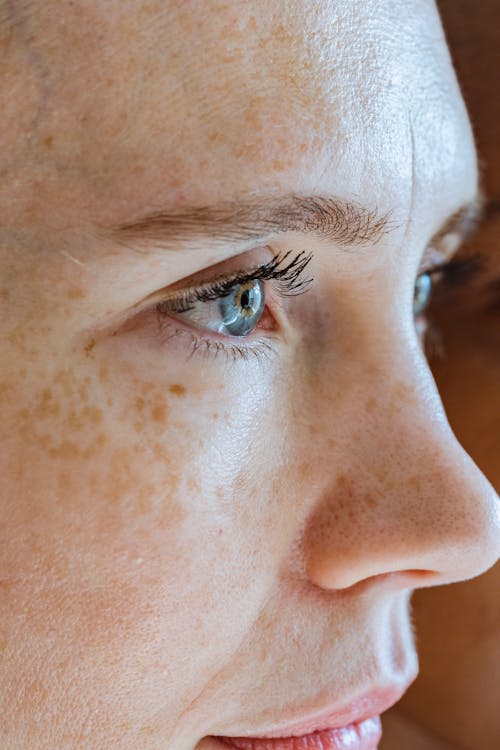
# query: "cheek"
134, 529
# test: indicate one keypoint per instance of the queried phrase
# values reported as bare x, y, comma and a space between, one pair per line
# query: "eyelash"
289, 281
289, 278
457, 272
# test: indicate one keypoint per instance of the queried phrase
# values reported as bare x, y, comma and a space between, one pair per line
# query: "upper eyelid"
265, 271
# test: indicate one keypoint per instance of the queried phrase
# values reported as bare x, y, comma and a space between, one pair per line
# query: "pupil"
245, 299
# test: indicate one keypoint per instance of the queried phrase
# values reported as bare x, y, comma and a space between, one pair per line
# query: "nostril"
397, 580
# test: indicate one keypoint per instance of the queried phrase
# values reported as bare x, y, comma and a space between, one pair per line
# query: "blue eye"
233, 306
234, 313
242, 308
422, 294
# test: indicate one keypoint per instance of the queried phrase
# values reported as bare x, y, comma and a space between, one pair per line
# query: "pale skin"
191, 545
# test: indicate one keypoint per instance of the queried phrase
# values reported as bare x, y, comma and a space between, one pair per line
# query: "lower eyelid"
193, 342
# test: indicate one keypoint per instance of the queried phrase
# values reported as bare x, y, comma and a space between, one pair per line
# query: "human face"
197, 543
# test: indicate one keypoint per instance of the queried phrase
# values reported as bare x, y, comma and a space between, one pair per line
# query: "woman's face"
208, 533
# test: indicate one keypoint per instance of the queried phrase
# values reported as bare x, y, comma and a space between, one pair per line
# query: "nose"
402, 496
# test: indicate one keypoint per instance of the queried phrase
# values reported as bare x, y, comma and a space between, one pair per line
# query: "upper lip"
367, 705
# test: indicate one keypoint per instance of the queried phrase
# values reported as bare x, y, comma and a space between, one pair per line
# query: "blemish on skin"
369, 501
65, 451
75, 292
177, 390
5, 389
47, 405
159, 412
94, 414
89, 347
48, 141
140, 403
370, 405
65, 379
278, 165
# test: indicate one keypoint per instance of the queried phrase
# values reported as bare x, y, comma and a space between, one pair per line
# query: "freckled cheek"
105, 476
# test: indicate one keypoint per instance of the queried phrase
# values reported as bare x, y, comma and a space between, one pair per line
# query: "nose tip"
431, 517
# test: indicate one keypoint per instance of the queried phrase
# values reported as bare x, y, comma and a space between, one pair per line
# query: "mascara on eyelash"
289, 278
457, 270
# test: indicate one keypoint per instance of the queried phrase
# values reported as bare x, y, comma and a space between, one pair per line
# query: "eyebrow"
256, 219
348, 223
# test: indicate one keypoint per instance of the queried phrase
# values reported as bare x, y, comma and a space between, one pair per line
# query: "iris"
242, 308
422, 294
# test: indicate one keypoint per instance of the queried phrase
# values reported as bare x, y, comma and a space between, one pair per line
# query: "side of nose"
402, 497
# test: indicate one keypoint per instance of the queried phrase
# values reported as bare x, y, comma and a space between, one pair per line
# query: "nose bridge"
401, 495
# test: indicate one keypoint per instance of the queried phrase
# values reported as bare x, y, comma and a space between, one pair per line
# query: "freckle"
159, 412
83, 392
103, 373
75, 292
89, 347
139, 403
178, 390
66, 380
48, 141
369, 501
94, 414
5, 389
304, 471
65, 450
46, 405
370, 404
401, 391
75, 421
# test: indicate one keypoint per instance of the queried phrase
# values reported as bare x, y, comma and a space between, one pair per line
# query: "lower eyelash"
211, 347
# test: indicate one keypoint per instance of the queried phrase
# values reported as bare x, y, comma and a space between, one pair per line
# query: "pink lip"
355, 726
364, 735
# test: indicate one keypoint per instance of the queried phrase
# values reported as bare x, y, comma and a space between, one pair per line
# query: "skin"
456, 695
191, 545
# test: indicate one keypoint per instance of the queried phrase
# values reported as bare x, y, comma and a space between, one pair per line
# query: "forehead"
192, 101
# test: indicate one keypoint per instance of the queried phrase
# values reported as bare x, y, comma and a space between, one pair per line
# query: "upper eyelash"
457, 270
288, 276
